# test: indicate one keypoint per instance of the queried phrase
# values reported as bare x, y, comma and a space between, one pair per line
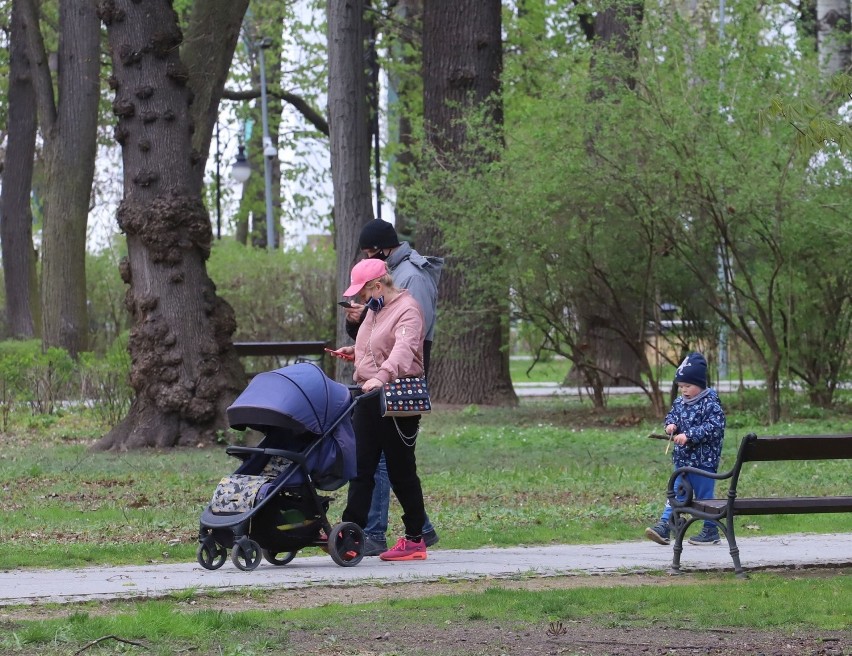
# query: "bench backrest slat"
796, 447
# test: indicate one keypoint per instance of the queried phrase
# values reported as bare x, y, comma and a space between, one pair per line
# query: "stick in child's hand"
669, 443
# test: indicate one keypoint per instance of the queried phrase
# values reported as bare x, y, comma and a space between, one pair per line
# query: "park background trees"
583, 171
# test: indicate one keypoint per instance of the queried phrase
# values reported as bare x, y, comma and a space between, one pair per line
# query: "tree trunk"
773, 389
613, 62
349, 139
16, 225
835, 52
211, 37
462, 63
69, 130
403, 86
213, 32
184, 370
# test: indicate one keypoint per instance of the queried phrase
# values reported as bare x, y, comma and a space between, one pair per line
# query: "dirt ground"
481, 638
478, 638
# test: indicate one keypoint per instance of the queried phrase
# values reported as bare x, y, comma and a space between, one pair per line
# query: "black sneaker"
430, 538
659, 532
374, 546
706, 537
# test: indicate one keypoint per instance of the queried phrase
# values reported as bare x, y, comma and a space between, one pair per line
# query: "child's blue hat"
693, 370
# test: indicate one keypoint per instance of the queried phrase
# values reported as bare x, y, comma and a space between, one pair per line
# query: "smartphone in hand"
345, 304
338, 354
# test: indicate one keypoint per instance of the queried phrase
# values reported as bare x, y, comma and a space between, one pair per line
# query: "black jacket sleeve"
352, 327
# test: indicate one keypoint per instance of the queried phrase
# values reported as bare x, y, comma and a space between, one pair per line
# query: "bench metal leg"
733, 548
678, 527
677, 550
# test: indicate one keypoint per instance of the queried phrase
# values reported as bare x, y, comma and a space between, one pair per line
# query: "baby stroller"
270, 506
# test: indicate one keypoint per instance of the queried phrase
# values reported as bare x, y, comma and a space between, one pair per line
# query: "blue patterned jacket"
704, 425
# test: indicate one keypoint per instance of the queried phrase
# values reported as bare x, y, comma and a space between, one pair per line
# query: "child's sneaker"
707, 536
659, 532
406, 549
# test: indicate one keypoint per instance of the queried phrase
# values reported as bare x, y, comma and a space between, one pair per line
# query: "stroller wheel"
272, 556
346, 544
211, 554
246, 554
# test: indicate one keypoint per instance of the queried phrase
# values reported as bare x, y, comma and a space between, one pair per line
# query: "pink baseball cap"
364, 272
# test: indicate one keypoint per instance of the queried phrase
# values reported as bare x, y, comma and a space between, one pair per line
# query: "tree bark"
16, 225
835, 52
69, 130
349, 140
462, 63
184, 369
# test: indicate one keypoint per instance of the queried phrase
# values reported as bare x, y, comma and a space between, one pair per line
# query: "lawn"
548, 471
524, 369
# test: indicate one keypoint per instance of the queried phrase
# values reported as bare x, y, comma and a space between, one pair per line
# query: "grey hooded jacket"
419, 274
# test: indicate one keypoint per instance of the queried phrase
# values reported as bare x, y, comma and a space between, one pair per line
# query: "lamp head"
241, 170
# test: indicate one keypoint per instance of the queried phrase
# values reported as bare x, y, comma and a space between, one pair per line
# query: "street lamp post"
269, 150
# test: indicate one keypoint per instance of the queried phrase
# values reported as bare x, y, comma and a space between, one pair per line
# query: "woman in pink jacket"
389, 345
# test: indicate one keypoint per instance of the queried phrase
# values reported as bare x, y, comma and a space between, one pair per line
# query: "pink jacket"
390, 342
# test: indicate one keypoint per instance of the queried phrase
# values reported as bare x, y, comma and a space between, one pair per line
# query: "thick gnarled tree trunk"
462, 63
184, 369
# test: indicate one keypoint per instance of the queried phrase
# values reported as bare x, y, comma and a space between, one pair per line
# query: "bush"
105, 382
41, 379
278, 296
105, 292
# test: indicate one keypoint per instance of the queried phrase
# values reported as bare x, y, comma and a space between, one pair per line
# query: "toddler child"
696, 423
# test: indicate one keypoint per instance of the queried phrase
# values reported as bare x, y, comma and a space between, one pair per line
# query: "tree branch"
300, 104
39, 66
109, 637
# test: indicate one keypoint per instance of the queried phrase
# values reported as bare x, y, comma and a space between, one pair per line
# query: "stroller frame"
218, 532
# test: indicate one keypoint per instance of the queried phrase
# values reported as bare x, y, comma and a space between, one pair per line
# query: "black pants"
375, 435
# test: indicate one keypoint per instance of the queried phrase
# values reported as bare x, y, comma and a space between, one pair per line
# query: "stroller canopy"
299, 397
291, 403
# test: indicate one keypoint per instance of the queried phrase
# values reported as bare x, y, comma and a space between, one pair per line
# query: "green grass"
766, 602
551, 471
553, 370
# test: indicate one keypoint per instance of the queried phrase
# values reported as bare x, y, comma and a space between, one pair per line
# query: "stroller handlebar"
359, 395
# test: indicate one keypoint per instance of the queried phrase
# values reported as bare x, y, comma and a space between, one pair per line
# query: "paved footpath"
90, 583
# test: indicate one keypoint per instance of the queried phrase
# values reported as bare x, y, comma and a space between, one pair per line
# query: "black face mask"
379, 255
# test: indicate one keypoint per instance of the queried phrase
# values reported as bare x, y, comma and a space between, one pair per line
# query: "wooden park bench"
723, 511
283, 352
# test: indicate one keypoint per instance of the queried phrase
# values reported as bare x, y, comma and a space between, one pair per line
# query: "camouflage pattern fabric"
236, 493
275, 466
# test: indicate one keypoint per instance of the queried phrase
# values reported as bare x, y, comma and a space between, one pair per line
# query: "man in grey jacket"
419, 275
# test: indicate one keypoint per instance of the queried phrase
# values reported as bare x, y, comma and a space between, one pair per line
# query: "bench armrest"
684, 489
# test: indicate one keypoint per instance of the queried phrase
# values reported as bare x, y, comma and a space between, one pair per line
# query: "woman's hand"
371, 384
344, 353
353, 312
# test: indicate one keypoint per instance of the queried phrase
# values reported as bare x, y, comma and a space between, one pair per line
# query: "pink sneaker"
405, 549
